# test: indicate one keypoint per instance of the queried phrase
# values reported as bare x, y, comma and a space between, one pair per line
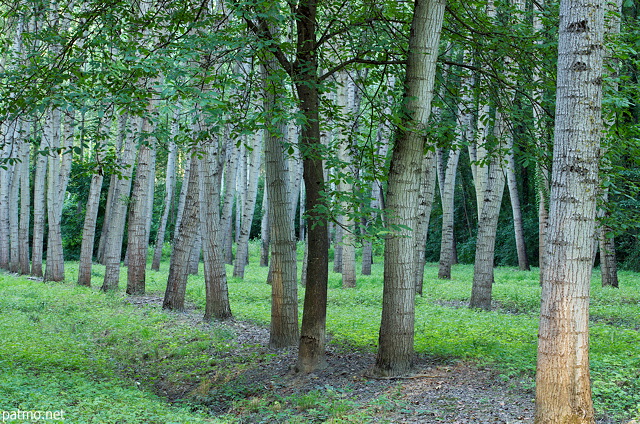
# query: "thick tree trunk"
487, 225
311, 352
395, 352
281, 212
215, 276
563, 391
183, 241
253, 172
118, 214
138, 236
57, 178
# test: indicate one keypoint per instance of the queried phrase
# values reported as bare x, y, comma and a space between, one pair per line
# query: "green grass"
100, 359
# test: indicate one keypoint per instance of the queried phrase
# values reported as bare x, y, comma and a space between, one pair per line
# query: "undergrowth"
101, 359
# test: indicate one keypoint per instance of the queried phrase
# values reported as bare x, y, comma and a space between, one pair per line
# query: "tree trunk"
183, 242
281, 211
182, 199
523, 261
253, 172
59, 168
39, 211
118, 214
311, 351
138, 237
226, 219
264, 230
170, 182
348, 101
447, 190
25, 206
215, 276
395, 352
425, 204
14, 200
488, 224
464, 132
608, 263
563, 391
5, 181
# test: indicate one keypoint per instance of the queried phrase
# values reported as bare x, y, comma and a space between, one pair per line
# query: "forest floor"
439, 391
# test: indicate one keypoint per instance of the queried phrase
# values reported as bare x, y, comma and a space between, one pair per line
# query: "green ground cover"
100, 359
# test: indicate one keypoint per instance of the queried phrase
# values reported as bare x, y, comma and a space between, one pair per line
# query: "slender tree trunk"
182, 198
14, 201
523, 261
264, 230
447, 190
39, 186
253, 172
464, 132
425, 204
25, 206
608, 263
563, 391
5, 180
183, 242
395, 352
170, 183
226, 221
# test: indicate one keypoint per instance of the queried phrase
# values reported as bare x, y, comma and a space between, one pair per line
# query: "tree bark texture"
395, 351
215, 276
170, 183
311, 351
488, 224
183, 242
284, 330
253, 172
138, 236
563, 391
118, 213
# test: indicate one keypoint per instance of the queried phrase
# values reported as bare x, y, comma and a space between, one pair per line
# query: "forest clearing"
107, 358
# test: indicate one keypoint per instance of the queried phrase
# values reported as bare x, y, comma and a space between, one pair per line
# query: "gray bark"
253, 172
395, 353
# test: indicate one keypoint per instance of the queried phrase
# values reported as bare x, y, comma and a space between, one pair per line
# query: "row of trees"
349, 124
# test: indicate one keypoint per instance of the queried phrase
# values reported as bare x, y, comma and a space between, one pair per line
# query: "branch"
346, 63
